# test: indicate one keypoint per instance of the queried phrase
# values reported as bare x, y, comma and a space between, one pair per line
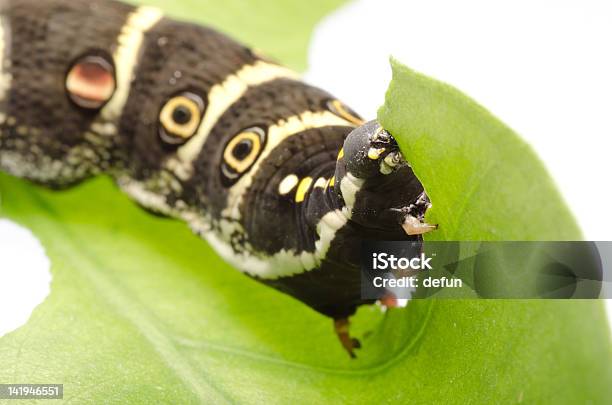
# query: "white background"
543, 67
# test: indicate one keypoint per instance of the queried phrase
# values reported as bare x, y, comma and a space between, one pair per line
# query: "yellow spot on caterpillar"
341, 154
287, 184
320, 183
332, 181
302, 189
374, 153
377, 133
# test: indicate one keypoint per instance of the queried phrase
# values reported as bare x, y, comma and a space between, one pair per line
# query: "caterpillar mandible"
281, 178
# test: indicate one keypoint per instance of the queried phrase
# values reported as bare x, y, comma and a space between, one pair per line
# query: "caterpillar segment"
281, 178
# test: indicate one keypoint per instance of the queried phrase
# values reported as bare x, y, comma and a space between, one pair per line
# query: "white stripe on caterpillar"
126, 56
5, 77
281, 264
220, 97
141, 190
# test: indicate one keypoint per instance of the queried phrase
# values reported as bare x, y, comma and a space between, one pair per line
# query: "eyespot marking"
90, 82
241, 152
374, 153
180, 118
302, 189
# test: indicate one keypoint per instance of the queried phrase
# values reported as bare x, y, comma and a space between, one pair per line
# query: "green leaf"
142, 311
484, 181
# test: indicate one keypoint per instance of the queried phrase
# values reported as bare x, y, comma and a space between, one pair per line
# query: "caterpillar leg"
389, 300
415, 226
342, 326
414, 220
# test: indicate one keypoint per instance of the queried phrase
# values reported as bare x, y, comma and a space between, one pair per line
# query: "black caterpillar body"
281, 178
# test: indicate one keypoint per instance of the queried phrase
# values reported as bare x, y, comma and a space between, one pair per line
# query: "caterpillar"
282, 179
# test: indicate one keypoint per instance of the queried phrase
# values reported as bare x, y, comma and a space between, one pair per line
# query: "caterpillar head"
378, 185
